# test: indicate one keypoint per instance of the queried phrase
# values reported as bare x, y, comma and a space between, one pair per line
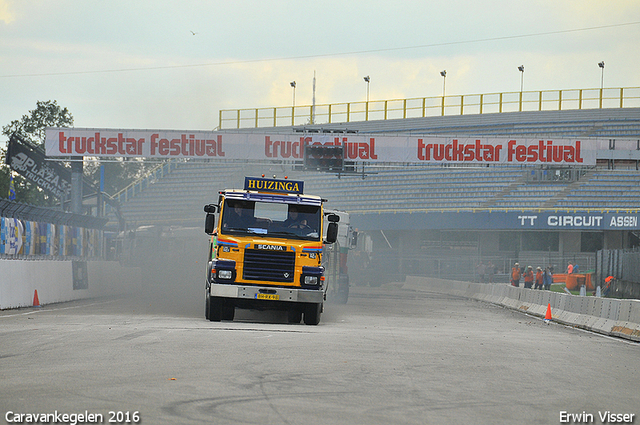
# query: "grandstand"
178, 197
393, 203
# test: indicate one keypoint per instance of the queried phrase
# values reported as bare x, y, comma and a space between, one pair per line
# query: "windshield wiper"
235, 229
283, 234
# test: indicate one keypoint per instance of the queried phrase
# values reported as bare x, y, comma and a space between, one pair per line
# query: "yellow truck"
266, 250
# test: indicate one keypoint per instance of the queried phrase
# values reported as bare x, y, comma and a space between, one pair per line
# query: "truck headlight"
225, 274
311, 280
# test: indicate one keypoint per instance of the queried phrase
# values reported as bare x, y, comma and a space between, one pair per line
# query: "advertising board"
64, 142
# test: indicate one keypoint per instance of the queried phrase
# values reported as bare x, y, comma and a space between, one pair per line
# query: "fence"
623, 264
546, 100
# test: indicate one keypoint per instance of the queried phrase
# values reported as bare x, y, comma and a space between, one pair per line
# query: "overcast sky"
174, 64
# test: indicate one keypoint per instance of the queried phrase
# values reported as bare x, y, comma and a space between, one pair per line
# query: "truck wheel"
343, 289
294, 316
228, 312
312, 314
215, 309
207, 301
343, 295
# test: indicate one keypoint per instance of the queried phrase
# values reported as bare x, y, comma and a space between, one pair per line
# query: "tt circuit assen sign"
501, 220
577, 221
64, 142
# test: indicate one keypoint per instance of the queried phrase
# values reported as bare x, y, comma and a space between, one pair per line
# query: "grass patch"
559, 287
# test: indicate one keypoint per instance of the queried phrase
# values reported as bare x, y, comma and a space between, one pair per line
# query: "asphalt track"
390, 356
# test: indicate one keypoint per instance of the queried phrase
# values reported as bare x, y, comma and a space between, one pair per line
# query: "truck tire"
206, 305
343, 289
228, 311
294, 316
215, 309
312, 313
343, 295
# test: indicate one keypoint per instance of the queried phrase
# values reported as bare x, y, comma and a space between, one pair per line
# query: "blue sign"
499, 220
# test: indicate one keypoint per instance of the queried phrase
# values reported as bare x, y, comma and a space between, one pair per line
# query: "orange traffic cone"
36, 301
547, 317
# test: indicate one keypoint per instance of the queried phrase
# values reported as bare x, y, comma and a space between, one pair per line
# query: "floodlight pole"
444, 82
367, 80
601, 65
521, 69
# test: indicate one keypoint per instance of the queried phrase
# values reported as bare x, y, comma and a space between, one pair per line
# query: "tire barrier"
608, 316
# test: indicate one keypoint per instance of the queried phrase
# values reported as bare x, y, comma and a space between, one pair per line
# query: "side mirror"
209, 223
332, 232
333, 218
211, 208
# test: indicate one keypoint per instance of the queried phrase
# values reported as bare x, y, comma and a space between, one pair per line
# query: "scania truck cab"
266, 250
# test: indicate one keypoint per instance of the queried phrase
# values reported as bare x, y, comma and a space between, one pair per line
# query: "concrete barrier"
620, 318
19, 279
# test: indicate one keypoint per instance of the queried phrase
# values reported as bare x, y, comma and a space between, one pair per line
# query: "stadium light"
521, 69
293, 84
367, 80
444, 80
601, 65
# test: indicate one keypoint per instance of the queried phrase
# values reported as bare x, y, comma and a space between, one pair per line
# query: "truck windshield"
272, 220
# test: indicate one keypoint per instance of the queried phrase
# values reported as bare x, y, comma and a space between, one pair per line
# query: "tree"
31, 127
118, 173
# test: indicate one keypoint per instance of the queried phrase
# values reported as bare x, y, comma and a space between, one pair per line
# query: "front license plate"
272, 297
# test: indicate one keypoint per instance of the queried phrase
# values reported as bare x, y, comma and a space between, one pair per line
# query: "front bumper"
295, 295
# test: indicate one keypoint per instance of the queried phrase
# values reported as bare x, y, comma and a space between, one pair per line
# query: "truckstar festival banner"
65, 142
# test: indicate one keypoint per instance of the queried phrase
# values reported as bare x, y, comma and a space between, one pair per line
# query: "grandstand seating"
605, 189
178, 198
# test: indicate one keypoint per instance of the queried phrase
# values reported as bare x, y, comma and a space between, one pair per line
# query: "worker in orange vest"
515, 275
528, 277
570, 268
539, 283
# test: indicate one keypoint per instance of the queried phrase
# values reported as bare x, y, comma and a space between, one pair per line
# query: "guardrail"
608, 316
545, 100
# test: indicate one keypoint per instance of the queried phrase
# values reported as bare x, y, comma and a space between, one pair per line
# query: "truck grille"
276, 266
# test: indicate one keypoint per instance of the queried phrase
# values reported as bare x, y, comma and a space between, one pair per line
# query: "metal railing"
546, 100
142, 183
